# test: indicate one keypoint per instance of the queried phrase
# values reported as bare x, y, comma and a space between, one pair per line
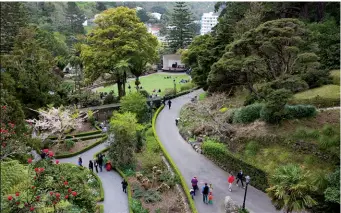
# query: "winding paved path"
193, 164
115, 201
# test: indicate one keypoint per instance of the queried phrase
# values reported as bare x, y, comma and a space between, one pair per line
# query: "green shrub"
187, 86
109, 99
144, 93
300, 111
273, 111
316, 78
69, 144
168, 178
136, 206
251, 148
149, 160
319, 102
247, 114
91, 117
219, 154
329, 130
336, 76
152, 145
135, 103
170, 91
152, 196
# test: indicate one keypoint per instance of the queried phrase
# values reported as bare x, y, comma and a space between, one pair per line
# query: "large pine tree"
12, 18
181, 33
75, 18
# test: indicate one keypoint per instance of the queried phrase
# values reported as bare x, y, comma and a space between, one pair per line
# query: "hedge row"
218, 153
95, 132
83, 150
122, 175
181, 93
255, 111
318, 102
171, 162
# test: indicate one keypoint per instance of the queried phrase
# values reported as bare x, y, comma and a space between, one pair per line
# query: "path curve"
115, 201
191, 163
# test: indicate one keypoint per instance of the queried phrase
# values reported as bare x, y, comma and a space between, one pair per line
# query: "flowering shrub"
49, 185
12, 143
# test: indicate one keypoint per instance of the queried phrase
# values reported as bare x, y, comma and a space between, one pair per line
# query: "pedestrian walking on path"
230, 180
100, 162
96, 165
240, 178
124, 185
210, 198
211, 188
80, 161
205, 191
194, 182
169, 103
91, 166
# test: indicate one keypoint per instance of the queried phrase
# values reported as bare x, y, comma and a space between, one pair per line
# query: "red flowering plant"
49, 184
13, 143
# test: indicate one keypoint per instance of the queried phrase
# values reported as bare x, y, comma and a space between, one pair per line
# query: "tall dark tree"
100, 6
12, 18
181, 33
75, 18
143, 16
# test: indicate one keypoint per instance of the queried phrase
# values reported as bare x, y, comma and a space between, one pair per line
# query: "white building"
208, 21
156, 15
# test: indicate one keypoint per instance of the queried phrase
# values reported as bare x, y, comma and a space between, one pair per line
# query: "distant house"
172, 62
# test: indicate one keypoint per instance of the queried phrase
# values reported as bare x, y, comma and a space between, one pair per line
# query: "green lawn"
151, 82
336, 76
327, 91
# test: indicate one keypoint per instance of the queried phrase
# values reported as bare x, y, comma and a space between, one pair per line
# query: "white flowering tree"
56, 122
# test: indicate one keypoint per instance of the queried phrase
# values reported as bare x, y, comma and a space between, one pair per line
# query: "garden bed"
60, 149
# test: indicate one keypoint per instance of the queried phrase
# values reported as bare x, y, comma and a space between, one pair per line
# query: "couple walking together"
207, 191
230, 179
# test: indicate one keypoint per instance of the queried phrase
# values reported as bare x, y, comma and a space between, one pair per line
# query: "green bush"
69, 144
152, 145
135, 103
186, 86
273, 111
300, 111
329, 130
316, 78
220, 155
304, 133
136, 206
152, 196
168, 178
109, 99
251, 148
91, 117
144, 93
317, 101
149, 160
247, 114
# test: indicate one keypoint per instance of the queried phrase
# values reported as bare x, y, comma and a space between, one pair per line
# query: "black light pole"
129, 87
151, 111
247, 183
174, 86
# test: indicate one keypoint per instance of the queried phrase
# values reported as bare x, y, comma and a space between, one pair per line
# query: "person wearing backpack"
205, 191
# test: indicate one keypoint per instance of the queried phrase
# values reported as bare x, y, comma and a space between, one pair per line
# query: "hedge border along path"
173, 165
130, 198
101, 140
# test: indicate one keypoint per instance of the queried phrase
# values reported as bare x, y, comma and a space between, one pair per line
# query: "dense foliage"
136, 103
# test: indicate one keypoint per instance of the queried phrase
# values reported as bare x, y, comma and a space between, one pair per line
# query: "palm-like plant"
291, 188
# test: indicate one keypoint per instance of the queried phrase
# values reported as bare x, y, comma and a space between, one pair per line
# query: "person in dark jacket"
205, 191
169, 103
124, 185
91, 165
240, 178
80, 161
100, 161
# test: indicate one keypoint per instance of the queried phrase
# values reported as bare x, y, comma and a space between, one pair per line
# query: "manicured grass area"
326, 91
150, 82
336, 76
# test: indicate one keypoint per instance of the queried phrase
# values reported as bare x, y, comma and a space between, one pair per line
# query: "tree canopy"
119, 36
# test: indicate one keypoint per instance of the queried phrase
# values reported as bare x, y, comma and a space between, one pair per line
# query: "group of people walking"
99, 162
207, 190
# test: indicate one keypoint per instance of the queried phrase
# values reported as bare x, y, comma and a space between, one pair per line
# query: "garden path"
115, 201
191, 163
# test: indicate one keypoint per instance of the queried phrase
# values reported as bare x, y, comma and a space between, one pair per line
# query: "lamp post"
174, 86
129, 87
151, 110
247, 178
